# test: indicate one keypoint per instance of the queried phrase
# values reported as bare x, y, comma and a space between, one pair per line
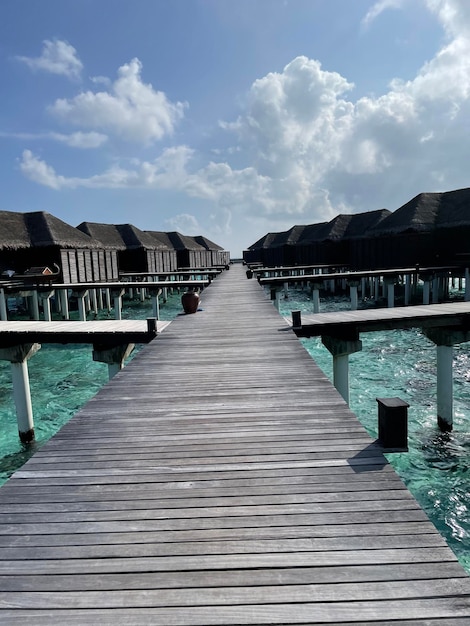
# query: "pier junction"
220, 478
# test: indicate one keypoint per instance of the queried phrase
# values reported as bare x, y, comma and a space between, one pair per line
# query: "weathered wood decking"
220, 479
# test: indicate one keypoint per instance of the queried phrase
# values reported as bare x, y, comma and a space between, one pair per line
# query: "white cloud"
57, 57
185, 223
131, 109
74, 140
165, 172
378, 8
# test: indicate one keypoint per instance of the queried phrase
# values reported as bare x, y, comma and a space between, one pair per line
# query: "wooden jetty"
220, 479
446, 325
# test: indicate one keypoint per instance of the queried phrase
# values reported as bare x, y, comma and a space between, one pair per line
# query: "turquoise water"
436, 469
62, 379
394, 363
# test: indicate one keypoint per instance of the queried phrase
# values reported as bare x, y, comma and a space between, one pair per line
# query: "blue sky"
230, 119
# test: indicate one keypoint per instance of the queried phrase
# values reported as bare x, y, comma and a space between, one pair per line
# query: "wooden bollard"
296, 319
393, 424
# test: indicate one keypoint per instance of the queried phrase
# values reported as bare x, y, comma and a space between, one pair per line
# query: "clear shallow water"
62, 379
436, 469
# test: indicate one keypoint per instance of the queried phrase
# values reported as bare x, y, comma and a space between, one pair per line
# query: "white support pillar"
64, 303
407, 289
445, 414
435, 290
18, 357
376, 288
286, 290
3, 306
316, 299
46, 304
426, 291
35, 305
389, 286
81, 296
154, 295
341, 375
353, 297
445, 339
341, 349
94, 301
107, 293
117, 297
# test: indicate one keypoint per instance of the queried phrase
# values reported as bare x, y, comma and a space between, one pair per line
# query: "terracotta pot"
190, 301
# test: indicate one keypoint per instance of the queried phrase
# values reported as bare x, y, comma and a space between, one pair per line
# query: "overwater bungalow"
216, 255
40, 240
431, 229
189, 253
137, 250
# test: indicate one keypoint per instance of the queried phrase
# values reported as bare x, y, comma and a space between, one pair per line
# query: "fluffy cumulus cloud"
309, 149
57, 57
130, 108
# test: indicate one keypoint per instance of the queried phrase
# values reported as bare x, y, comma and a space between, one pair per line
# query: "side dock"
220, 478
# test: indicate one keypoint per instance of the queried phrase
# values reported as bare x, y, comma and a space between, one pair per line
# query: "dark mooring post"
393, 424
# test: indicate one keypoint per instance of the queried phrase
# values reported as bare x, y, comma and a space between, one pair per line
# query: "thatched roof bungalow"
38, 239
189, 253
431, 229
216, 255
137, 250
167, 252
256, 252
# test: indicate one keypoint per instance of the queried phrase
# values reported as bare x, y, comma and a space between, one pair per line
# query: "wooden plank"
220, 479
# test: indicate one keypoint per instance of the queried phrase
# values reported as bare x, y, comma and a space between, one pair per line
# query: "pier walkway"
220, 479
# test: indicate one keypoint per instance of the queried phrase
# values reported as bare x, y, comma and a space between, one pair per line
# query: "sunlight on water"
403, 363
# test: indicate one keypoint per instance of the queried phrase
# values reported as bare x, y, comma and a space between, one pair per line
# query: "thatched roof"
264, 242
47, 230
428, 211
354, 225
313, 232
161, 238
13, 231
182, 242
121, 236
207, 243
107, 234
39, 229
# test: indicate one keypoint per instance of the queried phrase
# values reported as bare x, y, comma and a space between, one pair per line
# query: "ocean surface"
395, 363
436, 469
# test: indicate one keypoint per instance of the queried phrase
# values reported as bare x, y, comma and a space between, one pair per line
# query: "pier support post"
64, 303
3, 306
389, 285
113, 356
426, 290
34, 300
117, 297
340, 348
46, 304
407, 289
316, 296
18, 356
353, 285
467, 284
81, 296
445, 339
154, 295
